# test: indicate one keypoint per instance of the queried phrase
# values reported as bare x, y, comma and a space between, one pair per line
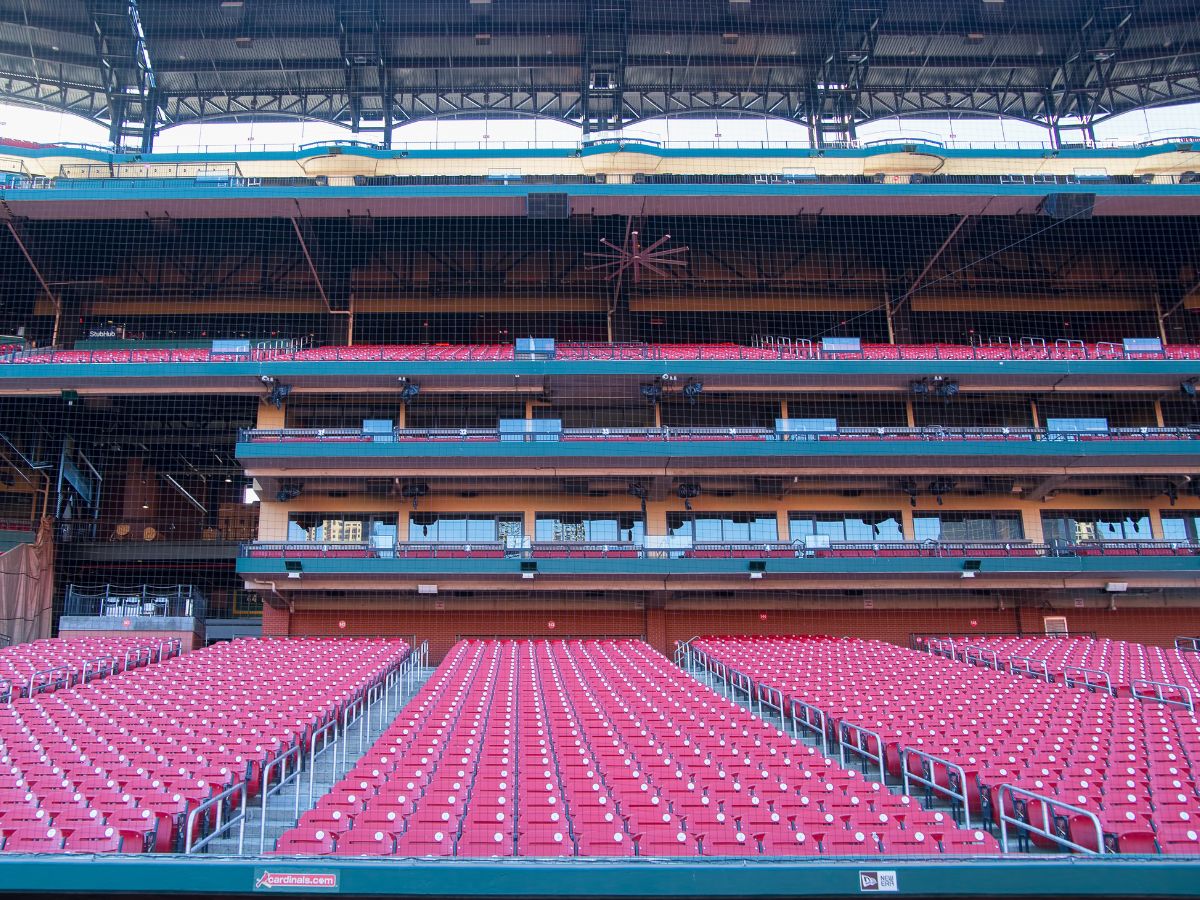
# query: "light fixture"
687, 492
288, 492
276, 392
427, 588
1117, 587
692, 391
414, 491
652, 391
940, 486
637, 489
945, 388
757, 568
529, 568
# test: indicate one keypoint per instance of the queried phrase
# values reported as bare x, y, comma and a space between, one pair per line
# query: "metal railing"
713, 550
928, 433
811, 719
1162, 692
1092, 679
1030, 667
980, 656
953, 789
225, 816
1188, 644
286, 774
136, 601
858, 740
46, 680
1012, 808
762, 349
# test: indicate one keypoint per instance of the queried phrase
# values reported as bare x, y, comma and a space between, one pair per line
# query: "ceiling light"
244, 42
231, 4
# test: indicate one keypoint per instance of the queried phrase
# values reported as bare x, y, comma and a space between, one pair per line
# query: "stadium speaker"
1068, 206
548, 206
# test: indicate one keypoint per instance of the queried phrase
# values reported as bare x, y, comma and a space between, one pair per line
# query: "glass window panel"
1175, 528
763, 528
835, 531
481, 529
603, 529
889, 529
799, 529
927, 528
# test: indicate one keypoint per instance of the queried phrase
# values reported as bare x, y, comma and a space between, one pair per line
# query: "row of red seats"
601, 748
54, 662
620, 352
1127, 761
1121, 661
117, 765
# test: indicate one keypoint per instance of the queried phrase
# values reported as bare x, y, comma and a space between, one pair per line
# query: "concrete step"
326, 771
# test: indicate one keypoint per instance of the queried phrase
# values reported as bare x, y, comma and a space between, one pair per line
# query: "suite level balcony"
674, 564
239, 365
787, 449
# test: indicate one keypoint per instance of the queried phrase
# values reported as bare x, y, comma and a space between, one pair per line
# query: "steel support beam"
605, 47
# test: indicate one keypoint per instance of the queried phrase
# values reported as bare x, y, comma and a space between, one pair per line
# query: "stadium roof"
141, 65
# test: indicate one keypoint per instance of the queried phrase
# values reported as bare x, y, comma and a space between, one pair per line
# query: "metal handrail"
6, 691
939, 647
280, 761
1160, 692
216, 801
690, 433
47, 680
928, 778
1015, 794
426, 550
1189, 644
100, 667
140, 656
771, 697
1092, 679
174, 647
986, 657
331, 725
847, 730
1033, 668
813, 719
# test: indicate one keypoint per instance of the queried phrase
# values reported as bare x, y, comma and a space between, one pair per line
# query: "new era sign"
877, 881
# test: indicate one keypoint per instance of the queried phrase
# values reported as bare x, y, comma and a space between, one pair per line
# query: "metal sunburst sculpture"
636, 257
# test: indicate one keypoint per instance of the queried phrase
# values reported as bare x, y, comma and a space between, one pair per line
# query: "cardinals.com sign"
266, 880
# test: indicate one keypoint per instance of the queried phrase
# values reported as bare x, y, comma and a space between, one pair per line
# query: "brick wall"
663, 628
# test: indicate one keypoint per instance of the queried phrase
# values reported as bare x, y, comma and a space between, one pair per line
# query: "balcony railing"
766, 349
718, 550
684, 434
181, 600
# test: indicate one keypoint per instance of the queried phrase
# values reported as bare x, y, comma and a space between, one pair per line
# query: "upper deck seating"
602, 748
1125, 760
136, 752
